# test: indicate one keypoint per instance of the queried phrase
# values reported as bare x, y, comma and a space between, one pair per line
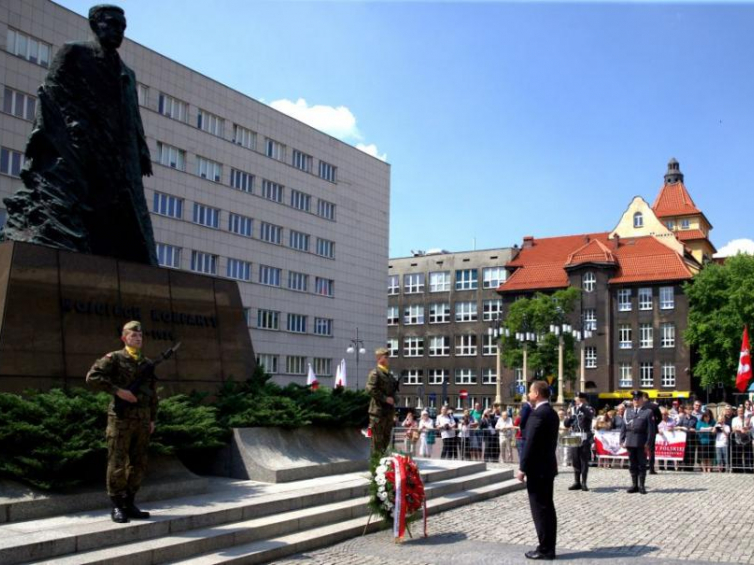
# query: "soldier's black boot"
577, 482
635, 483
118, 515
132, 511
642, 480
583, 481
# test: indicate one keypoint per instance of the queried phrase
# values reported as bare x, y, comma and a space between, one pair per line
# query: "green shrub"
185, 425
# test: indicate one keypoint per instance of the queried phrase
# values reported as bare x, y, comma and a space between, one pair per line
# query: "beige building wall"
629, 225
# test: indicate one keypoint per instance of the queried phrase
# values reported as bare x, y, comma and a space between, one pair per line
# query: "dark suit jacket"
525, 413
638, 428
538, 458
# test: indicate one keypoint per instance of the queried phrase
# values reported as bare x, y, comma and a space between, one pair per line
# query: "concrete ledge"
275, 455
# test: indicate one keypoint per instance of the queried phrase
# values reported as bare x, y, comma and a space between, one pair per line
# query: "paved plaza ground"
686, 518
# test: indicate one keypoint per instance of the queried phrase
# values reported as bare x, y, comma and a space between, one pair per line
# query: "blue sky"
500, 119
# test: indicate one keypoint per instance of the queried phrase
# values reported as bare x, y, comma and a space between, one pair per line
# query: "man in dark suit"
539, 466
657, 417
638, 428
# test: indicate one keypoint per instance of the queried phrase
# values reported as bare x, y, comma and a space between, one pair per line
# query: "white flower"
381, 470
380, 481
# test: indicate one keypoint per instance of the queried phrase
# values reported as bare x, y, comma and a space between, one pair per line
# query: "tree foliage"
721, 302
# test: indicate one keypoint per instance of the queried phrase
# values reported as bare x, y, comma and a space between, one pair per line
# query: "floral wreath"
397, 492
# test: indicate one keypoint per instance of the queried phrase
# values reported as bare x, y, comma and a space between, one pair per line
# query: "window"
171, 156
439, 313
244, 137
466, 312
465, 345
327, 171
590, 357
413, 314
624, 336
168, 255
274, 149
436, 376
392, 316
439, 281
624, 300
465, 377
646, 336
392, 345
302, 161
269, 275
667, 335
326, 209
439, 346
466, 279
19, 104
208, 169
647, 375
645, 299
638, 220
247, 316
670, 224
667, 375
172, 107
412, 377
270, 233
325, 248
322, 366
493, 277
25, 46
520, 378
489, 377
167, 205
268, 320
272, 191
667, 300
324, 287
241, 225
323, 326
298, 281
393, 286
242, 181
204, 263
413, 283
300, 200
298, 240
685, 224
296, 323
269, 362
492, 309
413, 346
239, 270
295, 365
588, 281
626, 376
11, 162
489, 344
590, 319
206, 216
210, 123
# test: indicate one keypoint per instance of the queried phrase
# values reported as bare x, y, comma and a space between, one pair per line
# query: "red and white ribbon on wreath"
399, 512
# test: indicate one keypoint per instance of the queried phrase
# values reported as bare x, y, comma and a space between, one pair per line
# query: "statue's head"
108, 23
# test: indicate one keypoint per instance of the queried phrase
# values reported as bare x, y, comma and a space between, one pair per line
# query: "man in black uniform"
657, 418
579, 420
638, 427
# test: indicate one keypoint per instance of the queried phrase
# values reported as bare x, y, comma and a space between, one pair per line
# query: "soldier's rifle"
145, 374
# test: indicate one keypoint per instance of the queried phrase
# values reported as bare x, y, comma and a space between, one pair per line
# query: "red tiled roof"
687, 235
674, 200
593, 252
645, 259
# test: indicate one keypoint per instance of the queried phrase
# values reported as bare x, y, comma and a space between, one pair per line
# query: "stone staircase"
238, 521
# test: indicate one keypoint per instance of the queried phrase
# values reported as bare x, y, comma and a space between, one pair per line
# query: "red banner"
668, 445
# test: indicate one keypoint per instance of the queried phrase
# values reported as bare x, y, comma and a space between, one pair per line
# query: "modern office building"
240, 190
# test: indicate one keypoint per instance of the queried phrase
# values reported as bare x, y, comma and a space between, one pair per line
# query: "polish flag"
311, 379
340, 374
744, 364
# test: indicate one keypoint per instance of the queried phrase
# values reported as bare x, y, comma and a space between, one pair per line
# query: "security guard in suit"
579, 420
636, 433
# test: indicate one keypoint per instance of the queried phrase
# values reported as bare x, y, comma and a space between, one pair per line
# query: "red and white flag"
340, 374
744, 364
311, 379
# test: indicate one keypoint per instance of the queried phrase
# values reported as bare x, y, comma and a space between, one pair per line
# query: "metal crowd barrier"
473, 445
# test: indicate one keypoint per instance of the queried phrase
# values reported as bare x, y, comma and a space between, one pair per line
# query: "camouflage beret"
380, 351
132, 326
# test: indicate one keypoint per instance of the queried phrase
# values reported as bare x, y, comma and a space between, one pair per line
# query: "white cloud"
337, 121
735, 247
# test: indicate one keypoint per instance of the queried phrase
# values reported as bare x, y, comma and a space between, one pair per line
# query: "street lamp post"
581, 336
524, 338
497, 331
560, 330
357, 346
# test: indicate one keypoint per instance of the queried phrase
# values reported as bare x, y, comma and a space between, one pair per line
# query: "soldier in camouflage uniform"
129, 426
383, 388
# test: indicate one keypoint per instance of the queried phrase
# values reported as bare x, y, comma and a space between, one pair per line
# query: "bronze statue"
87, 154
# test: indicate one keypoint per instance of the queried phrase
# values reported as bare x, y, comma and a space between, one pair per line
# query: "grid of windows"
647, 375
167, 205
241, 225
206, 216
393, 316
296, 323
209, 169
302, 161
624, 300
204, 263
439, 346
489, 377
269, 275
272, 191
590, 357
19, 104
667, 375
392, 345
439, 281
25, 46
492, 309
646, 336
168, 255
323, 326
667, 335
323, 286
268, 320
413, 346
590, 319
489, 344
300, 200
685, 224
328, 171
667, 299
239, 270
244, 137
439, 313
466, 312
11, 162
171, 156
624, 336
295, 365
325, 248
210, 123
589, 281
412, 377
393, 286
437, 376
626, 376
298, 240
298, 281
274, 149
172, 107
326, 209
493, 277
242, 181
322, 366
466, 345
466, 279
269, 362
270, 233
413, 283
645, 299
465, 377
413, 314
